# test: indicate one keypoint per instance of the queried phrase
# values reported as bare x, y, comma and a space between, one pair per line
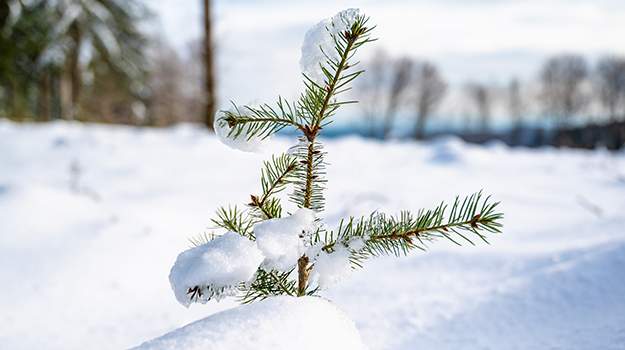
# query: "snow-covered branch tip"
397, 235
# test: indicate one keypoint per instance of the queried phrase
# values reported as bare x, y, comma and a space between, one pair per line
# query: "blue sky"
483, 41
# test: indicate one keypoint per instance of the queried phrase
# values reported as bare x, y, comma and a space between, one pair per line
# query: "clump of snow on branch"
213, 270
319, 43
274, 323
242, 142
282, 240
331, 268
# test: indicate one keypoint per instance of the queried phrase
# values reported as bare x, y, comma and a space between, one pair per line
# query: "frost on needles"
267, 251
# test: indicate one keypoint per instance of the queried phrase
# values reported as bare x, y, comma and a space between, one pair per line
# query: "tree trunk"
210, 99
67, 107
43, 102
75, 72
419, 133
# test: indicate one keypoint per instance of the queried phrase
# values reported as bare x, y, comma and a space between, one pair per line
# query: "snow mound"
277, 323
574, 303
319, 42
244, 142
282, 240
215, 268
447, 149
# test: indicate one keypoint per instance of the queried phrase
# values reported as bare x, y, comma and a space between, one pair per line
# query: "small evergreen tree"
265, 252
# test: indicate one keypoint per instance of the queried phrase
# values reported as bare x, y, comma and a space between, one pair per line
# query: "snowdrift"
279, 323
92, 218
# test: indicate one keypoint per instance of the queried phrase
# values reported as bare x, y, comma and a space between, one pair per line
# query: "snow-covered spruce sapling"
268, 252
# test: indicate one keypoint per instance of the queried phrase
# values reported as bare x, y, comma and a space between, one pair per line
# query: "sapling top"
267, 251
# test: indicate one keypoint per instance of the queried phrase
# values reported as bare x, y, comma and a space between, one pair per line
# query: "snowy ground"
92, 219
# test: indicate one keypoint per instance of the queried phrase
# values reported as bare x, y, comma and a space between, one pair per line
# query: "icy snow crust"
277, 323
88, 269
319, 43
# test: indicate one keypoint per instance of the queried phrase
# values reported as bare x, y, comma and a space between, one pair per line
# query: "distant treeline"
566, 94
66, 60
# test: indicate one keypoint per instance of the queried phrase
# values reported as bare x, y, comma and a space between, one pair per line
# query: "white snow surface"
319, 43
276, 323
85, 254
221, 263
243, 142
282, 240
331, 268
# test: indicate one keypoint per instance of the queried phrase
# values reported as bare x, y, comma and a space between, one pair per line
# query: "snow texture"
85, 267
319, 43
331, 268
218, 266
244, 142
282, 240
277, 323
215, 267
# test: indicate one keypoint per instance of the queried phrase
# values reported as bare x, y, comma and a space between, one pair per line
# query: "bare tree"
166, 83
481, 97
611, 86
562, 95
402, 72
209, 73
431, 89
516, 110
372, 89
177, 85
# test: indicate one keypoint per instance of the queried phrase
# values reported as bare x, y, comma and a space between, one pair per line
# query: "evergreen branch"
269, 209
399, 235
234, 220
279, 282
202, 238
263, 121
267, 284
274, 178
309, 175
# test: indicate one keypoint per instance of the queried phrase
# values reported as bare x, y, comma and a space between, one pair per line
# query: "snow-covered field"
93, 217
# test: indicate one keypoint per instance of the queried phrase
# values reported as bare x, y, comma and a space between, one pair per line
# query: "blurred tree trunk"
67, 107
76, 74
43, 102
481, 96
430, 90
400, 81
209, 72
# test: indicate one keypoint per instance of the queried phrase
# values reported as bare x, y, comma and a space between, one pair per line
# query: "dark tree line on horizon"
565, 94
65, 60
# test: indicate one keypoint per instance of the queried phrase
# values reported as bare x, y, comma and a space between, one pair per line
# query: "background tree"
372, 90
611, 86
209, 73
561, 81
176, 85
516, 110
23, 38
482, 100
430, 90
52, 44
400, 80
